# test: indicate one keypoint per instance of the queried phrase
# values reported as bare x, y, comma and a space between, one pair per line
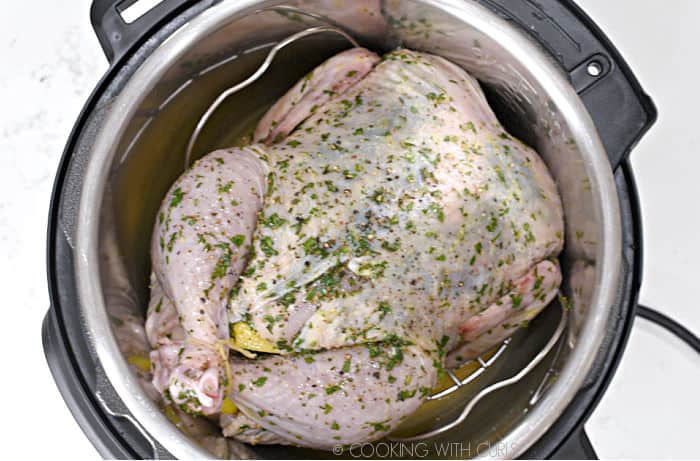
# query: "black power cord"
671, 325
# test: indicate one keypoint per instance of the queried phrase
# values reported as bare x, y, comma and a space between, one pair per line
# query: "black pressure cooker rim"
71, 360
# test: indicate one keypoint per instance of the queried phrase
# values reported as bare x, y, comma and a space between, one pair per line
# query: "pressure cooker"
554, 80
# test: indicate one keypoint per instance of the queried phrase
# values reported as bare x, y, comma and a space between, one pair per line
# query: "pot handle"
116, 35
619, 107
577, 446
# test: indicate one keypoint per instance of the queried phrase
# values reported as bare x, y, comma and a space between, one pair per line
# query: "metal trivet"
536, 360
484, 363
256, 75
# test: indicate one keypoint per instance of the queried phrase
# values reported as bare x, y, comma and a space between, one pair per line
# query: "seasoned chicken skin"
396, 229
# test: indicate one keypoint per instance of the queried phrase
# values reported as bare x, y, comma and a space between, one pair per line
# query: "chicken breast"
399, 207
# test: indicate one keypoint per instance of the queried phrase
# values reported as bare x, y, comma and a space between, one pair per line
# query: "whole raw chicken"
384, 226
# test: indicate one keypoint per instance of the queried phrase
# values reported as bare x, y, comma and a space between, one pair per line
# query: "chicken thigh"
388, 227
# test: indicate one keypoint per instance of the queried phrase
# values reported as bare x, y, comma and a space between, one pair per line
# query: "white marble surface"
50, 63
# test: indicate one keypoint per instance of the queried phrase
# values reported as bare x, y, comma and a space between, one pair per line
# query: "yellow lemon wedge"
228, 407
171, 415
245, 337
140, 362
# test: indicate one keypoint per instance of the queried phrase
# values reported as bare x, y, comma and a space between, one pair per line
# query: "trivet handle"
116, 35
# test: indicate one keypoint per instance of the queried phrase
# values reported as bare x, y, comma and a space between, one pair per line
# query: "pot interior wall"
150, 156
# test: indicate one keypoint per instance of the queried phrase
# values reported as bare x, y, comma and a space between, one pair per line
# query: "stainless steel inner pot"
139, 152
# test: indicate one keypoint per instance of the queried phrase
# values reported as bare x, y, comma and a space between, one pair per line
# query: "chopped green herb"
384, 308
378, 195
287, 299
392, 246
380, 427
492, 225
267, 246
516, 298
538, 282
226, 187
273, 221
332, 389
178, 194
